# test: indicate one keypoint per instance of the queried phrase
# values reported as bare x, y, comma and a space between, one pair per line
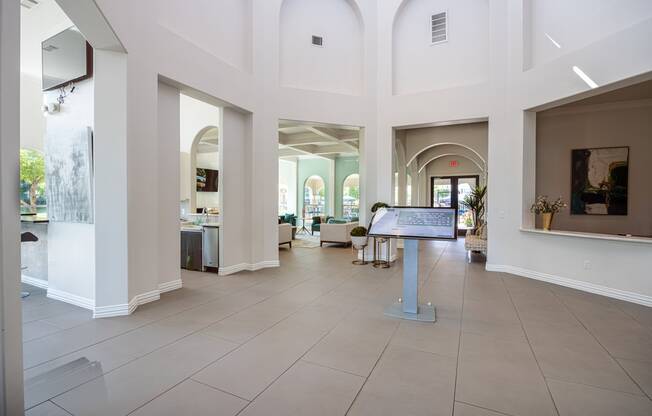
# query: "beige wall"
600, 125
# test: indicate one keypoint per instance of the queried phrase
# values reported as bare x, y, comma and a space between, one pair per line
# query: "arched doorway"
314, 196
351, 196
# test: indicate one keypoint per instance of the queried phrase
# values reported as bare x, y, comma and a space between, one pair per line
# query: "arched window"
351, 196
408, 191
314, 196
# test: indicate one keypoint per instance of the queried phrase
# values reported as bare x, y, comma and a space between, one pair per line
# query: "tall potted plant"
359, 242
475, 202
547, 209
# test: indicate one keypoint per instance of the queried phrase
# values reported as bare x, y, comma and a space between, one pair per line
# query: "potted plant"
547, 209
474, 201
359, 237
375, 207
359, 241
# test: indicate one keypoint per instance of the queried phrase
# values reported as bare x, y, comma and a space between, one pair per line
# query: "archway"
204, 153
351, 196
314, 196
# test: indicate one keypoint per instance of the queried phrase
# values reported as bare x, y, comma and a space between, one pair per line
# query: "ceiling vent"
439, 28
318, 41
29, 4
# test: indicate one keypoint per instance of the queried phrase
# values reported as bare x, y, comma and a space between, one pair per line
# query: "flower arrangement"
543, 206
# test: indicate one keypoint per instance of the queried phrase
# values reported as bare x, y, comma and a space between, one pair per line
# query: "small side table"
377, 262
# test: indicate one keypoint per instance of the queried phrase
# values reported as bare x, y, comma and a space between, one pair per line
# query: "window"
351, 196
32, 182
408, 191
318, 41
314, 199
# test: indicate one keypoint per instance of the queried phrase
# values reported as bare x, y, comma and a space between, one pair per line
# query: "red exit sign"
453, 163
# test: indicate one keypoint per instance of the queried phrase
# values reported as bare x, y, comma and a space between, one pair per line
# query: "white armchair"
285, 234
336, 233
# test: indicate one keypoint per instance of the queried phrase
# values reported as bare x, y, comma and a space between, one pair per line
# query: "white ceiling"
306, 140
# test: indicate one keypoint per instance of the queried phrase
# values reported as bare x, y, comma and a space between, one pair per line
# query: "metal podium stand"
408, 306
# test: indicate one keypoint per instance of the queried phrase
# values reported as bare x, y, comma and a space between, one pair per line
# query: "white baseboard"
40, 283
171, 285
574, 284
143, 298
80, 301
224, 271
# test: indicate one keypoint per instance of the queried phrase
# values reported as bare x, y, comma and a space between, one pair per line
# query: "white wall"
335, 67
559, 27
37, 24
195, 115
226, 35
287, 179
71, 246
462, 60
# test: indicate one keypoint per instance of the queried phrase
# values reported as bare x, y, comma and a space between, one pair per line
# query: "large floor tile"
131, 386
463, 409
47, 409
640, 372
581, 400
38, 329
192, 398
571, 354
441, 337
502, 376
248, 370
409, 383
355, 344
307, 389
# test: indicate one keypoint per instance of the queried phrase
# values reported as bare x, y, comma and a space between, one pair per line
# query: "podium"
409, 307
413, 224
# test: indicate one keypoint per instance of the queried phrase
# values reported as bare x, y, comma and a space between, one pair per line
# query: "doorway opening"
449, 192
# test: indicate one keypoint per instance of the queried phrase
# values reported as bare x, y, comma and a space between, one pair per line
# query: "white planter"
359, 242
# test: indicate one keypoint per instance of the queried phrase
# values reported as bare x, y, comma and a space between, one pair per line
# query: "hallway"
310, 338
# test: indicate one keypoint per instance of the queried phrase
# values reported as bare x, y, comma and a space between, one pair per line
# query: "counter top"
595, 236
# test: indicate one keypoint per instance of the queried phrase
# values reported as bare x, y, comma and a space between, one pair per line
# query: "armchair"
285, 234
336, 232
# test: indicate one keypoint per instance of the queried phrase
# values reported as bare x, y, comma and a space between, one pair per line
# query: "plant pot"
359, 242
547, 220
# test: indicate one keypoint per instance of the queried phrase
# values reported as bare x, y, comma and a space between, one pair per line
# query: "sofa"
476, 242
336, 231
288, 218
285, 234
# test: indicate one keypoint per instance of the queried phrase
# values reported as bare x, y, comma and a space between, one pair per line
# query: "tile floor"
310, 338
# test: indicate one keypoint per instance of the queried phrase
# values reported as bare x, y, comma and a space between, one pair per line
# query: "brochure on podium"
420, 223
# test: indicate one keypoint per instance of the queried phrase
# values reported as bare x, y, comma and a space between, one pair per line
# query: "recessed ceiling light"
554, 42
584, 77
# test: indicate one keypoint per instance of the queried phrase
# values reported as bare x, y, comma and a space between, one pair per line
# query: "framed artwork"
599, 181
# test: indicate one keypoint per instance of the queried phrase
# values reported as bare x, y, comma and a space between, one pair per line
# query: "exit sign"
453, 163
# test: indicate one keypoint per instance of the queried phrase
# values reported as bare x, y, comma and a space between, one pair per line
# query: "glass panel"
351, 196
441, 192
464, 188
314, 199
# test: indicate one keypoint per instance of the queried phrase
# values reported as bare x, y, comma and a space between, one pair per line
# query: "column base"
424, 313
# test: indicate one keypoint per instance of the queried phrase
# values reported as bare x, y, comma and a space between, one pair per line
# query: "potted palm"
475, 202
359, 242
547, 209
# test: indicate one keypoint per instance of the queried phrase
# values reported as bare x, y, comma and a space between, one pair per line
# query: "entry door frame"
454, 189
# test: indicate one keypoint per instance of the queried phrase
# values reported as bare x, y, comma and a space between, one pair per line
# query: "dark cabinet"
191, 250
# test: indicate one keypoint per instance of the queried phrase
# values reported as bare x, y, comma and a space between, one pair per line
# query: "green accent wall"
344, 166
307, 168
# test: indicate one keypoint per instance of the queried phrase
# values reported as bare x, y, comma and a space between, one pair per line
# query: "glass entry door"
449, 192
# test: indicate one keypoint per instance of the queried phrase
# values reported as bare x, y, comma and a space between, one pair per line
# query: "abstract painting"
69, 176
599, 181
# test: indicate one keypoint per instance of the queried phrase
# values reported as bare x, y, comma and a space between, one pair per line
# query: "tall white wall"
220, 27
462, 60
334, 67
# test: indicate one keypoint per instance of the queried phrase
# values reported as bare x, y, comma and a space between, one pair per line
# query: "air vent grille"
439, 28
317, 40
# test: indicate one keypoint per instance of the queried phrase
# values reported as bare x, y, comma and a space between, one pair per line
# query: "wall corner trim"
627, 296
224, 271
169, 286
141, 299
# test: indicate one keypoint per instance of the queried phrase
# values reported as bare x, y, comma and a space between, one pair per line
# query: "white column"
168, 207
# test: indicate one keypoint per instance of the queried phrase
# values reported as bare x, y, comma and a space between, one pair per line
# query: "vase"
547, 220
